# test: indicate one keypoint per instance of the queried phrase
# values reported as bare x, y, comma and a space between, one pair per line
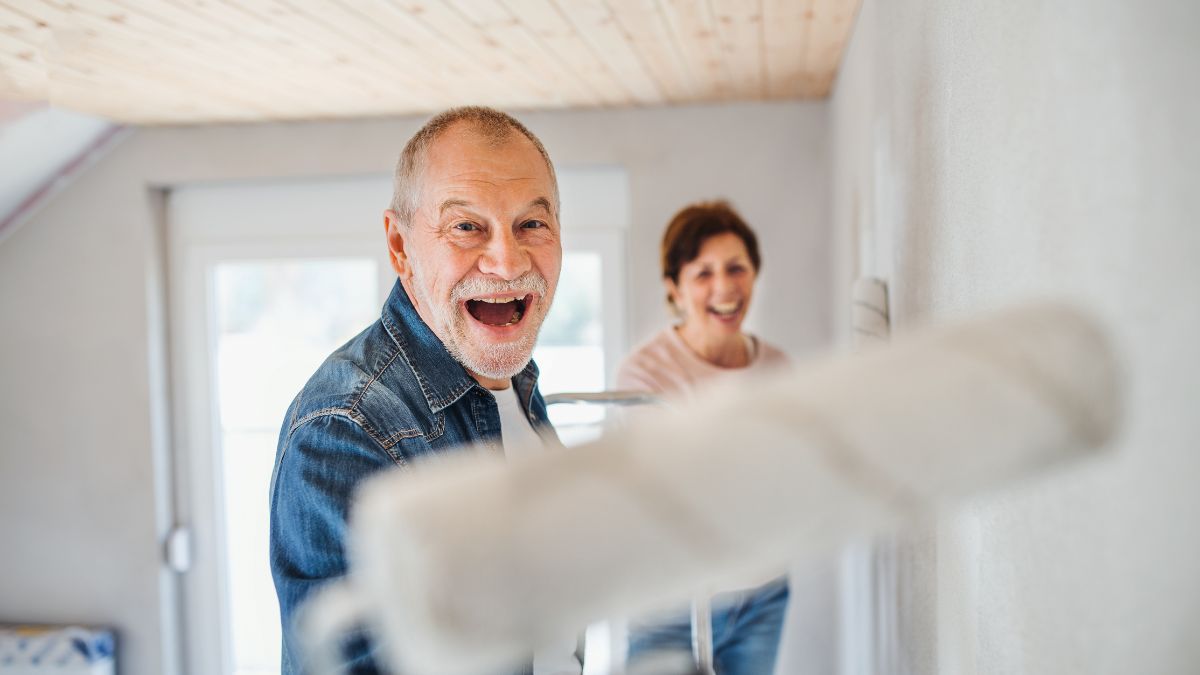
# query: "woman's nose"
724, 283
504, 257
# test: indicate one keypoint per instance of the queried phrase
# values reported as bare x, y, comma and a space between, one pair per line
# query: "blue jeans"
745, 625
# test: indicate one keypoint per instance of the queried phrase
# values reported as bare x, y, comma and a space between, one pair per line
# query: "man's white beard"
493, 361
497, 362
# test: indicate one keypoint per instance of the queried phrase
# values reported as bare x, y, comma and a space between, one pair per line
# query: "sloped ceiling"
41, 148
201, 61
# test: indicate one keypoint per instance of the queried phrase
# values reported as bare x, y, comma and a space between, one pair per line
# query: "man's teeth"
515, 303
516, 317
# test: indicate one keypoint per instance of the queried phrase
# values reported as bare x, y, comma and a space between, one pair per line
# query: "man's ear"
394, 231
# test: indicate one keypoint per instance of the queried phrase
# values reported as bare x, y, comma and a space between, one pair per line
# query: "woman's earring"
674, 306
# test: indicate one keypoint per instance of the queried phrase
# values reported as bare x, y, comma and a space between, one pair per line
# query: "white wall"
988, 152
83, 456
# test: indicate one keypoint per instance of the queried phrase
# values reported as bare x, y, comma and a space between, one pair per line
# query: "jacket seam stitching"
373, 379
385, 444
433, 401
355, 410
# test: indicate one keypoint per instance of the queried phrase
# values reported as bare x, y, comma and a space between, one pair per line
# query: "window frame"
295, 219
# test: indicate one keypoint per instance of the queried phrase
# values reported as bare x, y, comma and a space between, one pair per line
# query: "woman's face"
713, 292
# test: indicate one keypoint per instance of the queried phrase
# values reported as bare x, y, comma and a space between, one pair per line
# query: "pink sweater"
666, 365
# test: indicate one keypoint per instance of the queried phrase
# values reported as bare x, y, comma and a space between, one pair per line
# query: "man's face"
481, 258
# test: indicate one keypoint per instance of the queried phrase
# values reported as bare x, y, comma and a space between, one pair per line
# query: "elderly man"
473, 235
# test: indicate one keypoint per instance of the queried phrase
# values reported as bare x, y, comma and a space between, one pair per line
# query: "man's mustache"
529, 282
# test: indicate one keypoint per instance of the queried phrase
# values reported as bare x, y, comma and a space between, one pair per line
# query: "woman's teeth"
726, 308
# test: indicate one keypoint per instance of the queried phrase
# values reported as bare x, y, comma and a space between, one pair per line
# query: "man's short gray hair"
494, 125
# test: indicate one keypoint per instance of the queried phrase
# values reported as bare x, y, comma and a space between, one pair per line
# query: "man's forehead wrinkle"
452, 203
457, 203
454, 178
475, 175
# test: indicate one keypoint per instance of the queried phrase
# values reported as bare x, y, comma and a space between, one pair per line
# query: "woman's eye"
703, 274
466, 227
737, 269
532, 224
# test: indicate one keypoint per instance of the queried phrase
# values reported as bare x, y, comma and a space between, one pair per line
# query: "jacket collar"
443, 380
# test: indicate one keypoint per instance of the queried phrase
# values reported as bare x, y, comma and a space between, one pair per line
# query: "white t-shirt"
522, 442
516, 430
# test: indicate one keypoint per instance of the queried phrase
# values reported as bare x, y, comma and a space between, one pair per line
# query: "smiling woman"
710, 261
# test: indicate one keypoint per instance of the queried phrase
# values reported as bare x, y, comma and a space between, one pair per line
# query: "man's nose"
505, 256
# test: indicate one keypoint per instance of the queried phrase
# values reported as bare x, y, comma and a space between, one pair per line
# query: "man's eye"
466, 227
704, 274
532, 224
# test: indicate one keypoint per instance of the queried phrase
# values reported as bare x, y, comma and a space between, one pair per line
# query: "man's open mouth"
499, 311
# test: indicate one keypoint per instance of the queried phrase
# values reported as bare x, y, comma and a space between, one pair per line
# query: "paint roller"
463, 566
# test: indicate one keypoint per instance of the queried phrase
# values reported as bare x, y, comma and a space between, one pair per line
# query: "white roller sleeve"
462, 567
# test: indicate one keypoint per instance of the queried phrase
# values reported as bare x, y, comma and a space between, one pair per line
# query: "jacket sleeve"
319, 464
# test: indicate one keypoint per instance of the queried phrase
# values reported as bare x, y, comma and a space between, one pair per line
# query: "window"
276, 321
267, 279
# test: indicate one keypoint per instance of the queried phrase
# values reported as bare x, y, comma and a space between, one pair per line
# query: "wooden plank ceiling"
197, 61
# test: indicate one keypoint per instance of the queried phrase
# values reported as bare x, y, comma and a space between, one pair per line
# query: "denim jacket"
387, 397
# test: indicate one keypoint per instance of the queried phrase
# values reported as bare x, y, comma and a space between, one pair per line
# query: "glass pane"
570, 351
278, 319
